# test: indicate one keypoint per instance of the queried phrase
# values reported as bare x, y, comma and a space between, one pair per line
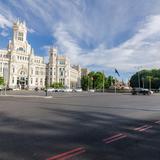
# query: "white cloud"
66, 43
141, 49
4, 33
78, 24
46, 58
31, 30
4, 22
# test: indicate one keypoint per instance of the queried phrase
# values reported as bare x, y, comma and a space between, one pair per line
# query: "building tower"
52, 66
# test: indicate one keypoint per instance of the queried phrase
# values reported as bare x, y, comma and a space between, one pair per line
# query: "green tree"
95, 80
1, 81
85, 82
98, 79
57, 85
148, 79
110, 80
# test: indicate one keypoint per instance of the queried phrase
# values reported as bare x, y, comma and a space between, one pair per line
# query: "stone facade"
59, 69
21, 68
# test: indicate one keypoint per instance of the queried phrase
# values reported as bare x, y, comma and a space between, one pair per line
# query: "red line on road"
63, 155
139, 128
144, 129
72, 155
114, 136
157, 122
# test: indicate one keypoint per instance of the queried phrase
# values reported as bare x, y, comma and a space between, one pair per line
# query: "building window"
31, 80
31, 71
13, 69
41, 81
13, 80
20, 36
61, 62
20, 49
22, 73
37, 71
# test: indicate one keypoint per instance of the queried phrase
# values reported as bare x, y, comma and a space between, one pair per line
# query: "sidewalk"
25, 96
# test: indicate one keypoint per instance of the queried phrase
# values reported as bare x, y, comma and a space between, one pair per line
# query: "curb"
29, 96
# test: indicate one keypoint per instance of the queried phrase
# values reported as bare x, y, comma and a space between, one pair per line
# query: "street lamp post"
46, 87
115, 89
88, 83
103, 81
143, 81
150, 84
139, 67
139, 85
92, 83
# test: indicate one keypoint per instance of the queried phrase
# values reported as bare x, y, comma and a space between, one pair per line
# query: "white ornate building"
60, 70
21, 68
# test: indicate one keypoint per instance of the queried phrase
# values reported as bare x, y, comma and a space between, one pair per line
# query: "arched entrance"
22, 80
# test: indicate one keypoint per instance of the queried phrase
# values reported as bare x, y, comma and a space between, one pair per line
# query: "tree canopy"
1, 81
147, 78
96, 80
57, 85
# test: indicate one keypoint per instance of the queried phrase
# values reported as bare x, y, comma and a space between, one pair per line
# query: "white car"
68, 90
91, 90
16, 89
50, 90
78, 90
151, 92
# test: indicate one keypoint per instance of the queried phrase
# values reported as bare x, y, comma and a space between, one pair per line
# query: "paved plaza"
79, 126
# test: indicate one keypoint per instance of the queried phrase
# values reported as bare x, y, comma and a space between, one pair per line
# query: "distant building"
21, 68
120, 85
84, 72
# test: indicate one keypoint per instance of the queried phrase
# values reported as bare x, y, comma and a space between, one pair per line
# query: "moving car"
143, 91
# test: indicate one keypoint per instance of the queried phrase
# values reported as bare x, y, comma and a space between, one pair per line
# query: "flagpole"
115, 89
116, 71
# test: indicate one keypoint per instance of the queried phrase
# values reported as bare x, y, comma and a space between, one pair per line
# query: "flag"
116, 71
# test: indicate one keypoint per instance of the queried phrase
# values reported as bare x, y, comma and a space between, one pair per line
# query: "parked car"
61, 90
136, 91
77, 90
36, 89
50, 90
9, 89
68, 90
16, 89
91, 90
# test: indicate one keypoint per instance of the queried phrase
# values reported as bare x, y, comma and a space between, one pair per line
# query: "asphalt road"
80, 126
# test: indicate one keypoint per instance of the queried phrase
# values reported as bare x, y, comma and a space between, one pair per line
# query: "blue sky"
98, 34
